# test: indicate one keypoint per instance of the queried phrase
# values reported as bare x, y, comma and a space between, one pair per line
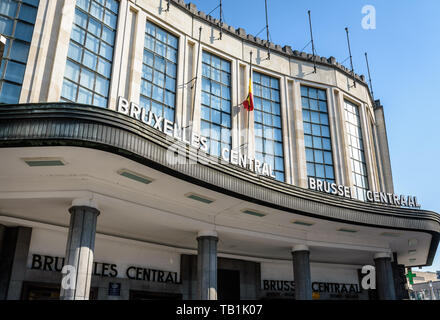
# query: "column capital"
85, 202
380, 255
207, 233
300, 247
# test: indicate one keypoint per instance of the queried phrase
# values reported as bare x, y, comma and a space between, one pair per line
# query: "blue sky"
404, 62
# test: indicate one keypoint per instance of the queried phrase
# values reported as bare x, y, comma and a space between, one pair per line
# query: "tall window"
17, 19
356, 146
267, 126
216, 103
159, 72
317, 134
90, 56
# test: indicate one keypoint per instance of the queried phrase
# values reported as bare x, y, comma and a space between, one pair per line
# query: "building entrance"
146, 295
47, 291
228, 284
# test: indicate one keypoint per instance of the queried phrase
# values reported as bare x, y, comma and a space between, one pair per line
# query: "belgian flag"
249, 102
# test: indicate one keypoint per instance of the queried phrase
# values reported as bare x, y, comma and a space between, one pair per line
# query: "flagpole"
248, 113
194, 86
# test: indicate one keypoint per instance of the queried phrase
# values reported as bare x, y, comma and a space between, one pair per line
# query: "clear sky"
403, 52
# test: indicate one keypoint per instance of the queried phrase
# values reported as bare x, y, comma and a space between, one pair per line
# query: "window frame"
361, 151
261, 155
223, 128
11, 39
166, 61
310, 122
82, 67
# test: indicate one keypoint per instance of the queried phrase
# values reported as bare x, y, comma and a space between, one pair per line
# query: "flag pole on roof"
313, 42
351, 59
369, 76
221, 20
267, 32
194, 86
249, 102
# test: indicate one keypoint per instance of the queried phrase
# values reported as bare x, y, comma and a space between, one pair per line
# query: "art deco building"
127, 157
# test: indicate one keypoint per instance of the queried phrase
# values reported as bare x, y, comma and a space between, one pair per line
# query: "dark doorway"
228, 284
47, 291
145, 295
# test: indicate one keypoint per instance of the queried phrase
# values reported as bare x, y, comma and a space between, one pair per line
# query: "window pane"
23, 31
10, 93
90, 60
78, 35
84, 96
102, 86
72, 71
104, 67
28, 13
99, 101
8, 8
15, 72
6, 26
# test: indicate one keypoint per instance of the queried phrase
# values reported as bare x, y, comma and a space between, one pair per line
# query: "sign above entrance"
371, 196
50, 263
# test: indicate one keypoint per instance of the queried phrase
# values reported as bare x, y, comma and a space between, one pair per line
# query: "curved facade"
127, 154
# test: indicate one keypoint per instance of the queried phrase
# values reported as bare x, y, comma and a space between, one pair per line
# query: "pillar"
79, 250
301, 272
207, 265
14, 251
384, 277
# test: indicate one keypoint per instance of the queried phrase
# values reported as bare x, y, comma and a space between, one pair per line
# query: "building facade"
130, 165
424, 285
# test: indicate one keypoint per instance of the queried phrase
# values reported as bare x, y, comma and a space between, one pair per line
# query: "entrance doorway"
47, 291
146, 295
228, 284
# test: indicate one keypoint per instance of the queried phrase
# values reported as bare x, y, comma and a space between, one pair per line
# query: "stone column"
14, 253
79, 250
207, 265
384, 277
382, 148
301, 272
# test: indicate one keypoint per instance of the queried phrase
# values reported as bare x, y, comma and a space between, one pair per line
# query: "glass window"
216, 103
357, 156
17, 19
268, 122
158, 88
317, 134
88, 67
